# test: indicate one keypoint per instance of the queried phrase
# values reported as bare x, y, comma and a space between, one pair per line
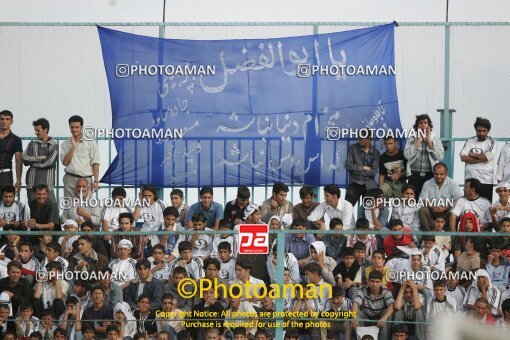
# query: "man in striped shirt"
455, 290
193, 264
41, 156
374, 303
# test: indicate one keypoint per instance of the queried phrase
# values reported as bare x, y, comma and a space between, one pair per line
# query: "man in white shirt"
437, 194
483, 287
123, 267
333, 206
85, 209
503, 168
243, 276
80, 157
478, 153
55, 287
202, 243
471, 201
11, 211
501, 208
110, 214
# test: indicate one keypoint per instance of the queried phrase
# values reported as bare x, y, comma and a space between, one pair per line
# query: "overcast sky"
260, 10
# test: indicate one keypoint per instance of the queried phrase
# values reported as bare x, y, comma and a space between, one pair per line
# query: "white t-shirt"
161, 274
227, 270
458, 294
245, 308
60, 259
408, 215
152, 216
111, 215
202, 247
123, 270
195, 268
254, 281
502, 213
48, 293
14, 213
481, 171
503, 169
217, 240
481, 207
32, 264
436, 308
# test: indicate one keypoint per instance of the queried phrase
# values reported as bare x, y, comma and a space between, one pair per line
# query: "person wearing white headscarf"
290, 262
318, 255
418, 272
129, 320
483, 287
275, 223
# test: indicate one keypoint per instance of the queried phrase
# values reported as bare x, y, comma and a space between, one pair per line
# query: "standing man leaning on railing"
41, 156
80, 157
10, 145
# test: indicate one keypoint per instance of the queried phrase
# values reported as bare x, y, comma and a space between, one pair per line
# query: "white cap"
286, 220
250, 209
125, 244
503, 185
275, 217
71, 222
5, 299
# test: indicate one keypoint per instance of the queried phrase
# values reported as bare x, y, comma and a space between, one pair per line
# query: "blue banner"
190, 113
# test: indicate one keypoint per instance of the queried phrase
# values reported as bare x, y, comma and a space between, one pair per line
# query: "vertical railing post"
280, 239
446, 112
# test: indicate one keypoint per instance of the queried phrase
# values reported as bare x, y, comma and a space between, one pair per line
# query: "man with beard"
478, 154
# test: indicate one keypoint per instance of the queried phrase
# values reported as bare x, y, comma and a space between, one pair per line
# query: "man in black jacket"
152, 287
18, 288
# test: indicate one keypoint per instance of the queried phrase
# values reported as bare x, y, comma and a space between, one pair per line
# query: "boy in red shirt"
392, 241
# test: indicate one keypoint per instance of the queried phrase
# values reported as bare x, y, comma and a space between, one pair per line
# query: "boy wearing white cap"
123, 267
501, 208
483, 287
67, 240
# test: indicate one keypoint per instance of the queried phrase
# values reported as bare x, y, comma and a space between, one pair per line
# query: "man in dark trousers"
10, 145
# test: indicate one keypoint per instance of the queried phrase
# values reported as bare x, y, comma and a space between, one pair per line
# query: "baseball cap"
125, 244
250, 209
